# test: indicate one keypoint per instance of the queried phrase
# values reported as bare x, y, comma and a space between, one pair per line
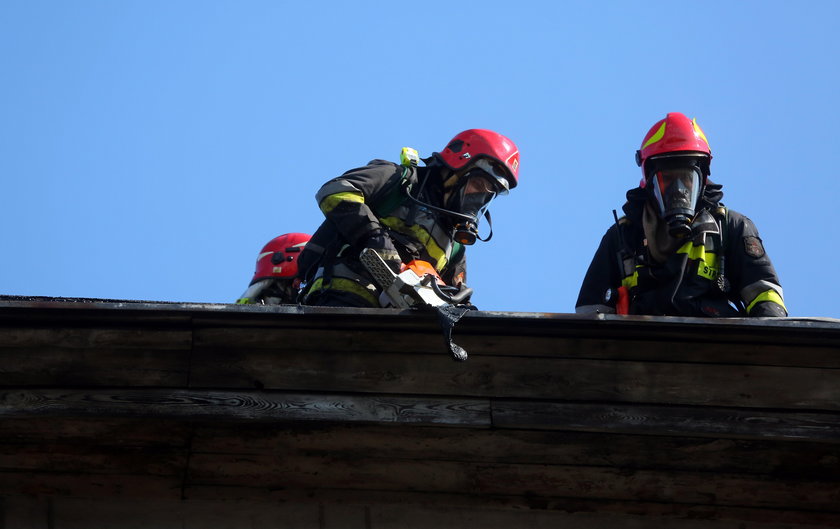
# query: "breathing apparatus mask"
467, 195
675, 185
469, 201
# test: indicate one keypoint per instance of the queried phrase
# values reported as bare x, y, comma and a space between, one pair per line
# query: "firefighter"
275, 280
405, 212
678, 251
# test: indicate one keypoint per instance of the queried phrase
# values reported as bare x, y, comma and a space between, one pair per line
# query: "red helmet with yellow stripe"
676, 135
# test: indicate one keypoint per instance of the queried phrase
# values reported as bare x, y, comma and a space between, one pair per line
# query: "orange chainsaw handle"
422, 268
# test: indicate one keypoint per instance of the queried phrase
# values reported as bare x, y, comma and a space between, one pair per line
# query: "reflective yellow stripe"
708, 265
694, 252
699, 131
347, 285
658, 135
631, 281
432, 248
767, 295
331, 201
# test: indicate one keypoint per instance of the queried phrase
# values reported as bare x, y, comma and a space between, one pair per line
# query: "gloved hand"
768, 309
384, 247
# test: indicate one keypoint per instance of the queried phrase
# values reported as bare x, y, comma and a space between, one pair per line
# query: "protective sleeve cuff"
768, 296
768, 309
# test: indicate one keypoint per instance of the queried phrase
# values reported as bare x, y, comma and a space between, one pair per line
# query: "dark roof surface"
551, 411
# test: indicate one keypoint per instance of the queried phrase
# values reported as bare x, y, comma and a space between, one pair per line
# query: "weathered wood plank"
536, 378
50, 444
582, 345
273, 406
242, 406
162, 513
551, 412
344, 510
406, 509
96, 431
545, 481
75, 485
801, 459
86, 337
86, 312
97, 356
100, 505
667, 420
92, 459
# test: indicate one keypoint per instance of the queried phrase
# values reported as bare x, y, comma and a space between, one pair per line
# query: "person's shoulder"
740, 225
375, 167
611, 233
735, 217
379, 161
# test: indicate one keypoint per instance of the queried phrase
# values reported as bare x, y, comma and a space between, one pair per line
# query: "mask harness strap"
490, 224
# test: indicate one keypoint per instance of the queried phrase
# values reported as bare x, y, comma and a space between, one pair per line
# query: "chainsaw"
418, 285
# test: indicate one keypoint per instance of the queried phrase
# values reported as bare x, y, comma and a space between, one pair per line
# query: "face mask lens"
472, 200
479, 184
497, 172
476, 195
676, 190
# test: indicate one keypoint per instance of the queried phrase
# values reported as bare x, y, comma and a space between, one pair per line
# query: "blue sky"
148, 149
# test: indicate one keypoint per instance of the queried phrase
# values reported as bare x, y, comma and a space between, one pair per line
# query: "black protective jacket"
725, 274
369, 200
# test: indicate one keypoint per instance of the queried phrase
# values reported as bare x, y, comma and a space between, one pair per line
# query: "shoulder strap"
722, 214
393, 193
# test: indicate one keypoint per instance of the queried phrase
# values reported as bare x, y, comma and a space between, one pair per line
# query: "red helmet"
674, 135
278, 258
474, 144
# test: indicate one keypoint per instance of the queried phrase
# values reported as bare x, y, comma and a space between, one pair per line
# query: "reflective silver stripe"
336, 186
594, 309
749, 292
253, 292
430, 225
341, 270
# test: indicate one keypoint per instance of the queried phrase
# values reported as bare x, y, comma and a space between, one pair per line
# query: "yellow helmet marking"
658, 135
699, 131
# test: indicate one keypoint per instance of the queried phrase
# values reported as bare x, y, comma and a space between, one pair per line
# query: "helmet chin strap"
454, 214
490, 224
425, 204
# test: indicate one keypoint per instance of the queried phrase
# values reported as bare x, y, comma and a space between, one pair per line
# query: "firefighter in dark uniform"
678, 251
405, 212
275, 280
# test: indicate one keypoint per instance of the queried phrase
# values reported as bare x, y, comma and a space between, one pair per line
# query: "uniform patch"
753, 247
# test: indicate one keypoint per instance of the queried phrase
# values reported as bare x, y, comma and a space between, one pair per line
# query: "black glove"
768, 309
384, 247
